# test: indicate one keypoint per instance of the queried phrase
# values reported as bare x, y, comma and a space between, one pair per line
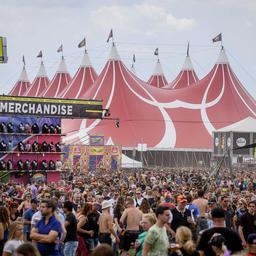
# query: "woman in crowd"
145, 207
25, 205
14, 214
4, 226
185, 245
83, 233
27, 249
15, 239
148, 220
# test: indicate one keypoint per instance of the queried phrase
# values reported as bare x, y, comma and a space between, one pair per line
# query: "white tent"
130, 163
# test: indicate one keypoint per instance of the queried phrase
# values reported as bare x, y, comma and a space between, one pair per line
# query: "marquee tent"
22, 85
158, 79
83, 79
39, 84
59, 81
186, 77
163, 119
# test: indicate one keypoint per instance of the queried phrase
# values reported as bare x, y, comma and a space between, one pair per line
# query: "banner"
96, 140
3, 50
46, 107
96, 150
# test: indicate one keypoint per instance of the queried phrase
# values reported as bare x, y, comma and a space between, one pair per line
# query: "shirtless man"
106, 225
132, 218
202, 205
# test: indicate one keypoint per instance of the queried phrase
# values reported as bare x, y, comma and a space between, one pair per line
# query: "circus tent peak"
186, 77
62, 67
59, 82
86, 60
21, 85
41, 72
39, 84
187, 64
158, 78
82, 81
114, 55
222, 59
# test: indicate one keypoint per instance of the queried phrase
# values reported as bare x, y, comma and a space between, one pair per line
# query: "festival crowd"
170, 211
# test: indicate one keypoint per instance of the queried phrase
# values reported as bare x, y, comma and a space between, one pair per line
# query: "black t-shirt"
180, 219
248, 222
232, 240
71, 228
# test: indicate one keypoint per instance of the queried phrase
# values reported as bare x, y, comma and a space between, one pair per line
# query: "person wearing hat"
106, 224
180, 215
232, 239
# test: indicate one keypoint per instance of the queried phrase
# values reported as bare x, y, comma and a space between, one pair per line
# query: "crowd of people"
170, 211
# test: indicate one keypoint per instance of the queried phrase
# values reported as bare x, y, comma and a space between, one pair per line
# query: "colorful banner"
96, 140
96, 150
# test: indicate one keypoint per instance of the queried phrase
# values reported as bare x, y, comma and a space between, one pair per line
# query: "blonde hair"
151, 217
184, 239
12, 229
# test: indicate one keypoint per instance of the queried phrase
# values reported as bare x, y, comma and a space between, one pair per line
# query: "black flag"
217, 38
156, 52
23, 60
40, 54
133, 58
81, 44
188, 50
110, 35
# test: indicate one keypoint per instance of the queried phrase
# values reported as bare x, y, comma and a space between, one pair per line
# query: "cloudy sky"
139, 27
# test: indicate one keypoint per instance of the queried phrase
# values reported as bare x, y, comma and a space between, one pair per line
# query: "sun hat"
106, 204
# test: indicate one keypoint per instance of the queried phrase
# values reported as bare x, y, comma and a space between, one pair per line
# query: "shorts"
105, 238
129, 238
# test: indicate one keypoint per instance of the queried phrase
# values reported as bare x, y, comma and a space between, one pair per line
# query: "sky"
138, 26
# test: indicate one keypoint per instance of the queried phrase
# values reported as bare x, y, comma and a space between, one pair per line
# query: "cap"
181, 199
212, 201
251, 239
105, 205
218, 213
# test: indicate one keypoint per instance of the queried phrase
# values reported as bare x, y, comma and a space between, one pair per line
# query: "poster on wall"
241, 139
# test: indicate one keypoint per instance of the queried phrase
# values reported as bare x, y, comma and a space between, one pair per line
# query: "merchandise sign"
49, 107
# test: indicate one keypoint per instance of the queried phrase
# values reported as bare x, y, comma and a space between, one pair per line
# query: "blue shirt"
43, 229
28, 216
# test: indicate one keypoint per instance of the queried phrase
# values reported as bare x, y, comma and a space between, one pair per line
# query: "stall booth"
227, 143
30, 135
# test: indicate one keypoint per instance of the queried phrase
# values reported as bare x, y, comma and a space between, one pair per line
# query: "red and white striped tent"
158, 79
59, 82
186, 77
163, 119
22, 85
39, 84
83, 79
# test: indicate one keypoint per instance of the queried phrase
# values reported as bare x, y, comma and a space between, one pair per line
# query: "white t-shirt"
12, 245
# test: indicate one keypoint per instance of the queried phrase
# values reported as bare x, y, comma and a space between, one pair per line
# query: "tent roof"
185, 78
248, 124
39, 84
82, 81
22, 85
59, 81
158, 79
